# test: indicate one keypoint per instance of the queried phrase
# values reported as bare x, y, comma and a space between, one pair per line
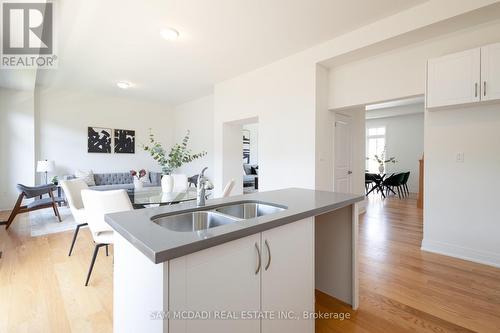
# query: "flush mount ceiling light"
169, 34
123, 84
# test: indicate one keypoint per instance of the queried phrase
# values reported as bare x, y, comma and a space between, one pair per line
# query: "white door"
454, 79
342, 154
221, 278
288, 276
490, 72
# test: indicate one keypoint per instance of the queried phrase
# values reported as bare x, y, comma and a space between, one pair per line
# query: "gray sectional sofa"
119, 180
250, 173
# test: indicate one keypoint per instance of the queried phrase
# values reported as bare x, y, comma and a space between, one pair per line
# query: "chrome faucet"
201, 187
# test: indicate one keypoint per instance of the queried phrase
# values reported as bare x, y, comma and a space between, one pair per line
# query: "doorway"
250, 135
230, 164
394, 146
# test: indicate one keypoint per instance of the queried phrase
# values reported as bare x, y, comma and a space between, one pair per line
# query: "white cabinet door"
288, 275
454, 79
490, 72
221, 278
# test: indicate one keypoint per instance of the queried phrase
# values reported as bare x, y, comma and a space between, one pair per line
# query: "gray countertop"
160, 244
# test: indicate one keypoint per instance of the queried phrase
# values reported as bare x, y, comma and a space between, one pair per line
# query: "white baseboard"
481, 257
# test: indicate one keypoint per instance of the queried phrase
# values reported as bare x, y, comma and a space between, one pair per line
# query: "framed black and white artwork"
99, 140
124, 141
246, 146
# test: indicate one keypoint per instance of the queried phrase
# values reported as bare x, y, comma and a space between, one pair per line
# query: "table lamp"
45, 166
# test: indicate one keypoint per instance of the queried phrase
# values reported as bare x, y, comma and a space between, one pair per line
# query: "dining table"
154, 196
378, 179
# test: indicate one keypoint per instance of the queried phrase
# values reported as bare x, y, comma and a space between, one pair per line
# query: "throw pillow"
146, 179
86, 176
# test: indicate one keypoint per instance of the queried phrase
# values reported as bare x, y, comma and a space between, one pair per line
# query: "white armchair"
97, 204
228, 188
72, 189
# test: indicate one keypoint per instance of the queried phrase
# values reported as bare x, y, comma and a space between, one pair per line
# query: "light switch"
460, 157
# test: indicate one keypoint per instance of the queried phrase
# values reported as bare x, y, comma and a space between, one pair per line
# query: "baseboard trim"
464, 253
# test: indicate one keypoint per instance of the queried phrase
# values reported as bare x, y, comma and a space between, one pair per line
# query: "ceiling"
396, 103
102, 42
400, 107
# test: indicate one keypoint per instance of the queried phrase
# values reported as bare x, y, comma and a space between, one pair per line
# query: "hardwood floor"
402, 288
42, 289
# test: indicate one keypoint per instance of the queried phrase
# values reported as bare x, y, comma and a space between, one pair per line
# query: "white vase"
167, 183
138, 184
381, 168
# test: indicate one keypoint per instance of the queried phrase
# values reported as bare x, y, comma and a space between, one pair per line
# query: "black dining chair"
405, 183
369, 180
394, 181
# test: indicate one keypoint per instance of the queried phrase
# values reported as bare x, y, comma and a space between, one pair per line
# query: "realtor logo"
27, 34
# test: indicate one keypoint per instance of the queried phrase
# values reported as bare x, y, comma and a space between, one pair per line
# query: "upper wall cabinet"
454, 79
490, 72
462, 78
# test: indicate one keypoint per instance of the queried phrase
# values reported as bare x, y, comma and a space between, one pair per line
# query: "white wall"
404, 140
325, 120
63, 118
17, 143
198, 117
461, 199
281, 96
254, 141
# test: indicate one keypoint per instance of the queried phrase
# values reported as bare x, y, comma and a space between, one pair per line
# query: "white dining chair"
97, 204
180, 182
72, 190
228, 188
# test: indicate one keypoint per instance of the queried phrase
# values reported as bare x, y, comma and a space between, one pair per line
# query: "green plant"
55, 180
179, 154
381, 160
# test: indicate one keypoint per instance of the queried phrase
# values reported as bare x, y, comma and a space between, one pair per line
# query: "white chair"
228, 188
72, 189
180, 182
97, 204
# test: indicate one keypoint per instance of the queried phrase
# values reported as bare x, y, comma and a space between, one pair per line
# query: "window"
375, 145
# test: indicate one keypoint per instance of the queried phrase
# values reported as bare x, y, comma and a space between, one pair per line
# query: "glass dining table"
153, 196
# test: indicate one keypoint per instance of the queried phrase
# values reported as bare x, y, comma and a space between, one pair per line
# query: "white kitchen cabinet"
229, 278
221, 278
288, 276
454, 79
490, 72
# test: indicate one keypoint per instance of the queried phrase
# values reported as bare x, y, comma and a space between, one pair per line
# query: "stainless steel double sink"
221, 215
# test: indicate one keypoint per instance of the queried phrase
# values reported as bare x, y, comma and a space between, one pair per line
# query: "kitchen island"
240, 264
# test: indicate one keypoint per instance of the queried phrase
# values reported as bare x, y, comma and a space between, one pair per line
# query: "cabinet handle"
475, 87
260, 263
269, 255
484, 88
